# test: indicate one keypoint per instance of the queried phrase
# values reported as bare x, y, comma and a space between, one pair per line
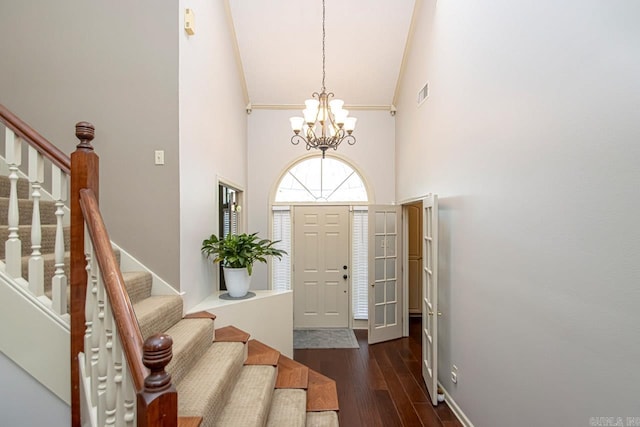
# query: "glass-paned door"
385, 278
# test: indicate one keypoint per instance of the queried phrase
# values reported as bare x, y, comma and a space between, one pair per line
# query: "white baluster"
36, 262
102, 354
13, 246
92, 280
110, 409
59, 281
129, 397
90, 306
117, 363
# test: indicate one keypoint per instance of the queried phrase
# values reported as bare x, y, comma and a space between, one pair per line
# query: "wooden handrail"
39, 142
122, 309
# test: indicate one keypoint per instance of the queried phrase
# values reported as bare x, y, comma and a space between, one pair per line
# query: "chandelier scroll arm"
350, 139
296, 139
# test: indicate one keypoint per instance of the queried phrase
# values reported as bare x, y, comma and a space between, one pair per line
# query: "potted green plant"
237, 253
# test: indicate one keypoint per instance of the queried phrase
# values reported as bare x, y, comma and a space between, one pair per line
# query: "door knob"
344, 267
344, 276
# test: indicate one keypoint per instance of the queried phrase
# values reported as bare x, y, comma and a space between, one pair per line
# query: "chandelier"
325, 123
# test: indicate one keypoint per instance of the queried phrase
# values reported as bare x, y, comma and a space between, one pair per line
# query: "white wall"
213, 129
271, 153
20, 393
531, 139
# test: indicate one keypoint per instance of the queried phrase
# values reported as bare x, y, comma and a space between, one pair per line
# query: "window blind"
359, 269
281, 269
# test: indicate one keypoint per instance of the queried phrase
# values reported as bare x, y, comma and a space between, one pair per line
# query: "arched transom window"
321, 180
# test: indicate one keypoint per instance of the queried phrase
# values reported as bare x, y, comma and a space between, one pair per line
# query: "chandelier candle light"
325, 123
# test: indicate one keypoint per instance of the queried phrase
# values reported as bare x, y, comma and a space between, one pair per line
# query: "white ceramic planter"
237, 281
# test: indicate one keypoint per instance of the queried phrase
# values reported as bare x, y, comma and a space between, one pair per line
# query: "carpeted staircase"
221, 375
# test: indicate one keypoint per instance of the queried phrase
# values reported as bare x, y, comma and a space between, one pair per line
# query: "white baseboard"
129, 263
360, 324
466, 422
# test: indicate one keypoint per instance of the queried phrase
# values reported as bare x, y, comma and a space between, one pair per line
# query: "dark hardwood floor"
380, 384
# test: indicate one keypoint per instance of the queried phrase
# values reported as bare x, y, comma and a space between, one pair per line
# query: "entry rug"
324, 338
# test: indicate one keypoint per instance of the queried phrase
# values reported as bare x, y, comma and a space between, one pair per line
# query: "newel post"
84, 174
158, 402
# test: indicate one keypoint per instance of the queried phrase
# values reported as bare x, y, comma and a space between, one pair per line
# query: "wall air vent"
423, 94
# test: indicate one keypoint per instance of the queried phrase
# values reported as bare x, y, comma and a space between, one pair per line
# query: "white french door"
385, 276
430, 311
321, 251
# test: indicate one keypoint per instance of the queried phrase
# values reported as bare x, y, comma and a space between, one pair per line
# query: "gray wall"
20, 393
114, 64
531, 138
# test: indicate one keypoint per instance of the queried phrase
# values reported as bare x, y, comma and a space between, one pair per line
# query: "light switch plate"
159, 157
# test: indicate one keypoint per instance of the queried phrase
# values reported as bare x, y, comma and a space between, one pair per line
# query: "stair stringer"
29, 330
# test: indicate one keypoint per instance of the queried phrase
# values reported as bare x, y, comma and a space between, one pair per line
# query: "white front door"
321, 255
430, 295
385, 276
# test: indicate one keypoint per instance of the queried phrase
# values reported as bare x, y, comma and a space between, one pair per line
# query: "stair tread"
23, 187
201, 315
25, 210
291, 374
138, 284
231, 334
205, 389
156, 314
28, 226
250, 400
288, 408
261, 354
49, 269
322, 394
47, 238
322, 419
191, 339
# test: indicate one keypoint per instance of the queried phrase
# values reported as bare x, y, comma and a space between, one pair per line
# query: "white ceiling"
280, 46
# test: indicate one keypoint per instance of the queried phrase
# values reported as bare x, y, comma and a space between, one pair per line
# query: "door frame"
405, 257
241, 217
405, 261
371, 199
353, 324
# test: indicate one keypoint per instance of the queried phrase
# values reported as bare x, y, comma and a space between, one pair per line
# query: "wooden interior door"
414, 261
321, 256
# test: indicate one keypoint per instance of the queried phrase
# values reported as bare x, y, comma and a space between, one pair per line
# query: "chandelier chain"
325, 123
323, 43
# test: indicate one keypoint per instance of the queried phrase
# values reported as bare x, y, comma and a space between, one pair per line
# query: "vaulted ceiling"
280, 48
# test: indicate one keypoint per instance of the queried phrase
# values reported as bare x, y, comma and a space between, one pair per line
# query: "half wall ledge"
268, 316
